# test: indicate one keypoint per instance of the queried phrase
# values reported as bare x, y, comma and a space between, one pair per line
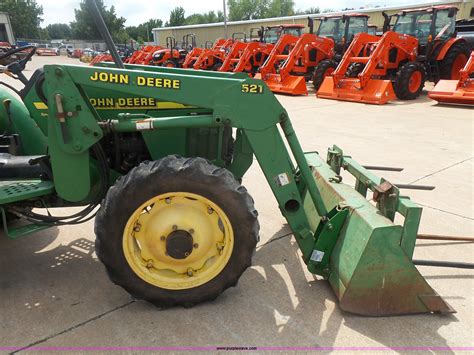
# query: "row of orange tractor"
343, 57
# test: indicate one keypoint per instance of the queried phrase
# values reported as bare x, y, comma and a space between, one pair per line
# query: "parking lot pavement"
54, 291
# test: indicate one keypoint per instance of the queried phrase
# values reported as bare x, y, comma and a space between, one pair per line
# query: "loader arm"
251, 51
276, 55
233, 56
342, 236
324, 49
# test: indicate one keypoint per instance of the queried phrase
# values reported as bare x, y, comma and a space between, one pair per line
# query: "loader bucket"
451, 92
377, 92
291, 85
370, 268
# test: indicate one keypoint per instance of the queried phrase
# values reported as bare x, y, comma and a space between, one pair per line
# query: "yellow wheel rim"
178, 240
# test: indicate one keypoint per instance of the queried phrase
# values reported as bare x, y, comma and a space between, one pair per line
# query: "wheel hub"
178, 240
179, 244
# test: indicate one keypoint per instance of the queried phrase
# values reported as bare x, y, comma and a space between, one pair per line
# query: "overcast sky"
139, 11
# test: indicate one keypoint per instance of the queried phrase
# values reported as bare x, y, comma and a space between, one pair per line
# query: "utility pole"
148, 32
225, 19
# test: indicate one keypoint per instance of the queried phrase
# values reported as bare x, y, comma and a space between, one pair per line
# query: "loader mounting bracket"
326, 238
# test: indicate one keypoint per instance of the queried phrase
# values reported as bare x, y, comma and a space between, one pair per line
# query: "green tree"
209, 17
278, 8
84, 26
246, 9
59, 31
177, 17
142, 32
309, 11
25, 16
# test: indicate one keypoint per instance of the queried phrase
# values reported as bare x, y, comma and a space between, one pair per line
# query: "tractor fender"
447, 45
19, 121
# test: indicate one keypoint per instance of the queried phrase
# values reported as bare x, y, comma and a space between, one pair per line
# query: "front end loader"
457, 92
159, 153
422, 46
256, 53
174, 56
287, 73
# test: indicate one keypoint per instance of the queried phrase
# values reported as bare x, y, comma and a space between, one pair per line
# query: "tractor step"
14, 191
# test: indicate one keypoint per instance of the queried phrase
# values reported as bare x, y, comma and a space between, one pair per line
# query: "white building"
6, 32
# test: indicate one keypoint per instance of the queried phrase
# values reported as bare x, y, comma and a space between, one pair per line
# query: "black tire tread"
174, 173
320, 70
400, 84
445, 65
354, 70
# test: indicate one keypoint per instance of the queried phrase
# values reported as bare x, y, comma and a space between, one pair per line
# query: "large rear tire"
325, 67
453, 62
177, 231
409, 81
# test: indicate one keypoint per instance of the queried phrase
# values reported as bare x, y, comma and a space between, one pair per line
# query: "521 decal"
252, 89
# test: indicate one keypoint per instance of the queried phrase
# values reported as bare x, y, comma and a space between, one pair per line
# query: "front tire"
409, 81
325, 68
177, 231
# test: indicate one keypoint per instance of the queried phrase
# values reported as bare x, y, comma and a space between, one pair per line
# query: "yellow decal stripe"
40, 105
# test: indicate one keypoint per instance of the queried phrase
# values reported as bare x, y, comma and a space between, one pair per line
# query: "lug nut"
163, 238
175, 227
196, 245
137, 228
149, 264
210, 210
191, 231
190, 272
168, 201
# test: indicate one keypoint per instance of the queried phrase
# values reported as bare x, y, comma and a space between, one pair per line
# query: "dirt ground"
55, 293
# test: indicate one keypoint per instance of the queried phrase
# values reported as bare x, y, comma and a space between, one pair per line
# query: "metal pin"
415, 187
382, 168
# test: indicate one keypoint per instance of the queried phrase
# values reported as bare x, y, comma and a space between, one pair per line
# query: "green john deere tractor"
159, 153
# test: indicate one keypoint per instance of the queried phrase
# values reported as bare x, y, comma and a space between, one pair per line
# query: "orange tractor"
142, 56
296, 60
212, 59
460, 91
173, 56
196, 52
251, 57
421, 46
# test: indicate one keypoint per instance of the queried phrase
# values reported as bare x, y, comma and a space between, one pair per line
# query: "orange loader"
460, 92
295, 60
173, 56
257, 51
194, 54
421, 46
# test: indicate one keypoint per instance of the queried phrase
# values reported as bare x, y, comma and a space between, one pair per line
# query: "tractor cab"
431, 26
342, 29
273, 33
